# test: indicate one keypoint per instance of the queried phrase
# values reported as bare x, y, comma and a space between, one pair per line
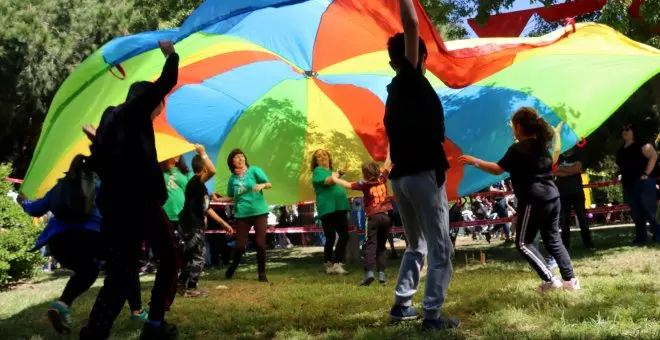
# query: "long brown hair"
371, 171
314, 163
533, 125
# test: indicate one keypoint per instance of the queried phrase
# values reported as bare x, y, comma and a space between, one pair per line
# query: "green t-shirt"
176, 183
247, 202
329, 198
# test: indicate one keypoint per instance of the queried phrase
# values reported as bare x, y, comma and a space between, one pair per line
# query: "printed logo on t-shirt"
379, 193
241, 188
171, 182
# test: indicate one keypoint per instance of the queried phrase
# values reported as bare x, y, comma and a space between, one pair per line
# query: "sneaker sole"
56, 321
403, 318
368, 281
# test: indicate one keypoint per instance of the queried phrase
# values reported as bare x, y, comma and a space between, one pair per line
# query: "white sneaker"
572, 285
339, 269
329, 268
549, 286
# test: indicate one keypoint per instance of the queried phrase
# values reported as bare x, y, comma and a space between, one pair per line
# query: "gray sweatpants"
424, 212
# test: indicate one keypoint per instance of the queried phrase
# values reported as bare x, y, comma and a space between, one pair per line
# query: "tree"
39, 47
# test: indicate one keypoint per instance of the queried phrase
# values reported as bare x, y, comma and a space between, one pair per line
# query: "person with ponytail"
529, 163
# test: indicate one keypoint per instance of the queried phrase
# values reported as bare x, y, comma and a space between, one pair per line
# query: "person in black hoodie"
131, 204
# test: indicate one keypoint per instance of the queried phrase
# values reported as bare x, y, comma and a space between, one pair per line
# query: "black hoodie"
124, 150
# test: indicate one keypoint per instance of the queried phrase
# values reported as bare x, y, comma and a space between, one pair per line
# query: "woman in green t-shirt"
332, 206
177, 174
245, 189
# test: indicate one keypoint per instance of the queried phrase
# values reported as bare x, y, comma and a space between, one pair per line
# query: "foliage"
17, 236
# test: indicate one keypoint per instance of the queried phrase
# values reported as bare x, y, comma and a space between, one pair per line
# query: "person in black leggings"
79, 248
530, 165
332, 206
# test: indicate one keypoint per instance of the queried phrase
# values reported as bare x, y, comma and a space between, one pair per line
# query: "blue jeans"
642, 200
424, 212
502, 212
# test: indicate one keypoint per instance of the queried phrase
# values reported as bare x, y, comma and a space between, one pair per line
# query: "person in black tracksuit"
530, 165
131, 205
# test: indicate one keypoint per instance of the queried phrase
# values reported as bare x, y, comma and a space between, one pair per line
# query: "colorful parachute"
281, 78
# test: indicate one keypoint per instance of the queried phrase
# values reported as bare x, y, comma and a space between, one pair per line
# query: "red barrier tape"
462, 224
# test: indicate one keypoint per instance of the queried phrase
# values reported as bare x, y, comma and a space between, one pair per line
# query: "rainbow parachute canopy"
280, 79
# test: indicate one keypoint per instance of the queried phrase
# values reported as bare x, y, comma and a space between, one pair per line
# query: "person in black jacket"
131, 204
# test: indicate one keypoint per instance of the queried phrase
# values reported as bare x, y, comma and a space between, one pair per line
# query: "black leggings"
78, 251
543, 217
335, 222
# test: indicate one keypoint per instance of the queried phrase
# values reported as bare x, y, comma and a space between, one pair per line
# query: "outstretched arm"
410, 24
36, 208
343, 183
488, 167
148, 101
222, 222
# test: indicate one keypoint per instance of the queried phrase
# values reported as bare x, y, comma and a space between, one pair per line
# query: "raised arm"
410, 24
149, 100
36, 208
557, 143
201, 151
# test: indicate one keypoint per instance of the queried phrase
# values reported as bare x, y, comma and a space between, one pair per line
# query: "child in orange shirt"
377, 207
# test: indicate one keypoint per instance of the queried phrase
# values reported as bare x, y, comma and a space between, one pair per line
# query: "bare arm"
388, 160
343, 183
557, 143
488, 167
650, 153
222, 222
410, 24
207, 163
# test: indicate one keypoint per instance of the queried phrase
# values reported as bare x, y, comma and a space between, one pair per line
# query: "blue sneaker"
440, 323
401, 313
551, 263
60, 318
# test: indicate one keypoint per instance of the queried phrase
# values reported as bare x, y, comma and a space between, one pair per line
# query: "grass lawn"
620, 299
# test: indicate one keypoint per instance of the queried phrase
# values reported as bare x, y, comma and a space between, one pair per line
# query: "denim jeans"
424, 212
642, 200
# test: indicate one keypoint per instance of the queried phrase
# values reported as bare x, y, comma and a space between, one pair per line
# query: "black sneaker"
401, 313
165, 331
440, 323
367, 280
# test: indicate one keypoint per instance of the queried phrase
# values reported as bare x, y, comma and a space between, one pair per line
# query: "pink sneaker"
572, 285
549, 286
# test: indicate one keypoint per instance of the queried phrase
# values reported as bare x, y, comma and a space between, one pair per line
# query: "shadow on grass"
495, 301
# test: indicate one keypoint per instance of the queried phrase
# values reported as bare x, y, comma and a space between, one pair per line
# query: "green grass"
620, 299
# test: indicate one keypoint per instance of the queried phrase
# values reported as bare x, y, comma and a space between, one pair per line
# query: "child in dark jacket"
193, 224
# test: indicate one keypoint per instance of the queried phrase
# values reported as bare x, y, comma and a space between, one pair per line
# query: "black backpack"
72, 198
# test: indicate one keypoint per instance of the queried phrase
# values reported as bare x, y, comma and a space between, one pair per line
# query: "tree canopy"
44, 40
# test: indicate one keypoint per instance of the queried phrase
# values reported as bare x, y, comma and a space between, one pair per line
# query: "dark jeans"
124, 230
78, 251
574, 202
243, 226
543, 217
192, 259
502, 212
335, 223
218, 248
641, 198
378, 228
